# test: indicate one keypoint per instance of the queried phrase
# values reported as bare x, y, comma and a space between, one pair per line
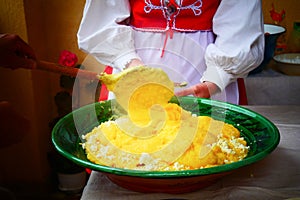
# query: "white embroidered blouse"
237, 49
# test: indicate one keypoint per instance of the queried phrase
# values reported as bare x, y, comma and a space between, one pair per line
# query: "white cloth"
238, 47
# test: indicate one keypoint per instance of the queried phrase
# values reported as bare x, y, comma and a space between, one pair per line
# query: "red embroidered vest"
179, 15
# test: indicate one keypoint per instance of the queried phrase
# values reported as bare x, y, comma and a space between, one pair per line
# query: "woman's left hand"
134, 63
201, 90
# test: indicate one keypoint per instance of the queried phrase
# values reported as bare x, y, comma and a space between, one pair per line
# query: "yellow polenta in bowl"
183, 142
174, 146
156, 134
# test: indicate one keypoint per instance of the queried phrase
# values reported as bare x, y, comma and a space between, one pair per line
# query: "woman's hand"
15, 52
134, 63
202, 90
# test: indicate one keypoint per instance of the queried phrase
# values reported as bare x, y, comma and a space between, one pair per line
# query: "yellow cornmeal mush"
157, 135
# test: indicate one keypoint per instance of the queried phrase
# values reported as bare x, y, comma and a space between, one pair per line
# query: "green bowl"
261, 135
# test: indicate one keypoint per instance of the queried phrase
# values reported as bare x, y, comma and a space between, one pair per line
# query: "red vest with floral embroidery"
179, 15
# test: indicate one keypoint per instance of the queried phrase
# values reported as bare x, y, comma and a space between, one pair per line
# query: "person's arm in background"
16, 53
238, 48
102, 34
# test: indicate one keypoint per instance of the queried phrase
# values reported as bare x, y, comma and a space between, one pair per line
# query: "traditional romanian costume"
192, 40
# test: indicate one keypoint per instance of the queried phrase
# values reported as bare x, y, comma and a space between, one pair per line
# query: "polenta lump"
160, 136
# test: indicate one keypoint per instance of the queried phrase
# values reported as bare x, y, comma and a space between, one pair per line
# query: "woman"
206, 43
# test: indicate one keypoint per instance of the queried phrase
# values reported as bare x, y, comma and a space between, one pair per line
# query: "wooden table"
275, 177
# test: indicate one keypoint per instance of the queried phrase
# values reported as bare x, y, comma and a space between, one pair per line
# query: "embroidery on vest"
171, 9
171, 6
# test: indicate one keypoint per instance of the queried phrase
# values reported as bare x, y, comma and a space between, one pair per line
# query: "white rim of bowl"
273, 29
286, 57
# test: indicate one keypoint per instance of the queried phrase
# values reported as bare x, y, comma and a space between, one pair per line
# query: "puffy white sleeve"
239, 44
103, 34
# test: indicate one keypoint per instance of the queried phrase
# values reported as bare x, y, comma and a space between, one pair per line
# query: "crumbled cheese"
226, 145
